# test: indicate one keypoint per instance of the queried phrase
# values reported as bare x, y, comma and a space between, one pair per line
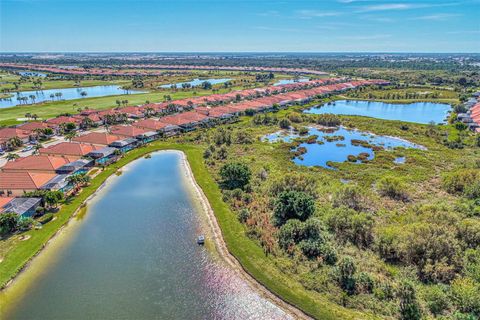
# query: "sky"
240, 26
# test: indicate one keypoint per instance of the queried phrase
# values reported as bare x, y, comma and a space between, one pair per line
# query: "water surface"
67, 94
32, 74
336, 145
289, 81
134, 256
419, 112
195, 82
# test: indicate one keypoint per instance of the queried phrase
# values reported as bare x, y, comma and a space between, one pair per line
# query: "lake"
289, 81
134, 256
336, 145
32, 74
195, 82
419, 112
67, 94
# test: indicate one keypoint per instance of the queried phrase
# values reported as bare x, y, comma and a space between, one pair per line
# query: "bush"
469, 232
393, 188
293, 205
8, 222
349, 225
284, 124
409, 307
466, 295
457, 181
346, 274
436, 299
46, 218
290, 234
294, 182
329, 120
25, 224
349, 196
243, 215
235, 175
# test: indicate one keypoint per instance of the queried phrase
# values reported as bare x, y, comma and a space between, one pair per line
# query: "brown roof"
69, 149
149, 124
40, 162
23, 180
127, 131
100, 138
31, 126
7, 133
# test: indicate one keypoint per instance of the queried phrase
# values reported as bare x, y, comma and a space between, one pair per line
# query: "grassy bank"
249, 253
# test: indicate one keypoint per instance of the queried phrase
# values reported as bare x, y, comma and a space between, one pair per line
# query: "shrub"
349, 225
349, 196
346, 274
472, 191
290, 234
294, 182
284, 124
243, 215
364, 283
45, 218
436, 299
466, 295
235, 175
393, 188
409, 307
8, 222
329, 120
457, 181
293, 205
25, 224
469, 232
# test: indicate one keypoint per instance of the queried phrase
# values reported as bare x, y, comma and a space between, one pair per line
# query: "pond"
289, 81
419, 112
134, 256
338, 145
195, 82
66, 94
32, 74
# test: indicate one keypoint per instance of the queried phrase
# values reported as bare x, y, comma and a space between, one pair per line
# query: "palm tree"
52, 96
32, 97
69, 136
83, 94
12, 156
36, 148
28, 115
35, 116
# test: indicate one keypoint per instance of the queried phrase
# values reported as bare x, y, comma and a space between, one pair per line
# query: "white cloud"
308, 14
437, 17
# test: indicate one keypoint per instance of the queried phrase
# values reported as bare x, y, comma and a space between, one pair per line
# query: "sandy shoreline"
225, 254
220, 245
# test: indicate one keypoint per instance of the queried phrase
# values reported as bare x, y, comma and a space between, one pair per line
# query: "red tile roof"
150, 124
100, 138
39, 163
7, 133
127, 131
69, 149
23, 180
32, 126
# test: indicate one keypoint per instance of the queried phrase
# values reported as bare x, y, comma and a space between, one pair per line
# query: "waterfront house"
76, 167
125, 145
158, 126
187, 121
97, 138
58, 183
23, 207
141, 134
58, 123
104, 156
35, 163
71, 150
18, 183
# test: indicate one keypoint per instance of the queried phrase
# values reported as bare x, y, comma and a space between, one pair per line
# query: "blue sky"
234, 25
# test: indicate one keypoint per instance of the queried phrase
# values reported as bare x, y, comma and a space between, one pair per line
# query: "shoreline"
219, 243
223, 251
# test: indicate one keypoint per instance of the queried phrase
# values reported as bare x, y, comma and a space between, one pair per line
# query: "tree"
235, 175
52, 198
69, 136
12, 156
36, 148
346, 274
293, 205
8, 222
409, 307
284, 124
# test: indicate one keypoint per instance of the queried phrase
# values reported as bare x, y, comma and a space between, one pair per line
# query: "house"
71, 150
97, 138
144, 135
7, 134
76, 167
18, 183
104, 156
58, 122
35, 164
125, 145
132, 112
33, 127
187, 121
58, 183
23, 207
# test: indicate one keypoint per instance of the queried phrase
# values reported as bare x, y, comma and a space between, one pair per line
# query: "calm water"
419, 112
288, 81
134, 256
67, 94
32, 74
338, 150
195, 82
